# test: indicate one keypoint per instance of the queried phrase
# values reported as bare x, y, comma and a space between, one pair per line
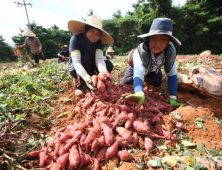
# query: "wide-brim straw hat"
77, 27
65, 46
28, 33
110, 49
161, 26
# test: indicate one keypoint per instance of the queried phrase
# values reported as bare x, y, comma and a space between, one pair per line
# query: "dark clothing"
62, 53
79, 42
151, 78
38, 56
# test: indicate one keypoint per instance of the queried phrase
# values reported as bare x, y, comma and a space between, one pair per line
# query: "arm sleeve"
24, 45
138, 85
76, 56
172, 81
100, 63
59, 54
139, 69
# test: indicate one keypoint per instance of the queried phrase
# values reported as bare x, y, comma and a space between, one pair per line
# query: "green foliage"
6, 52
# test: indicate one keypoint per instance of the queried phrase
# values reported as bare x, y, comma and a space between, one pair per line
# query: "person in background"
35, 46
148, 58
64, 54
109, 53
86, 48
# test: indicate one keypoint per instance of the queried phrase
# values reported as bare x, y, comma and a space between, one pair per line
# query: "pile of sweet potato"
108, 128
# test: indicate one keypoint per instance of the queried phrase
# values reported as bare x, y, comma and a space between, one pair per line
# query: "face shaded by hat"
77, 27
161, 26
65, 46
28, 33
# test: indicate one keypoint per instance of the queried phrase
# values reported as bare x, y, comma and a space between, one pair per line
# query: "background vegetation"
197, 24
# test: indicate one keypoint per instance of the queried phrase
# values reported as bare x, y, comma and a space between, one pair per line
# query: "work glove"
174, 102
138, 97
89, 82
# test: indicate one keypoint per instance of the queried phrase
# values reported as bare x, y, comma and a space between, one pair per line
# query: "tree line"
197, 24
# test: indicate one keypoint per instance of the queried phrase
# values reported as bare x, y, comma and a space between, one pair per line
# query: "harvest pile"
108, 127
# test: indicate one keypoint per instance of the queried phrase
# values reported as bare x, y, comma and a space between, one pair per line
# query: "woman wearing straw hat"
148, 58
109, 53
86, 48
35, 46
64, 54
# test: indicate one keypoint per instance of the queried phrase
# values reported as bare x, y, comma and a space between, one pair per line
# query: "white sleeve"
76, 60
100, 63
173, 70
139, 69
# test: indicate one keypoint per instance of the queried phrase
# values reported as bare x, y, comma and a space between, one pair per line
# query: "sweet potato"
57, 148
95, 146
51, 143
74, 157
95, 164
32, 154
77, 110
140, 127
108, 84
121, 141
86, 159
76, 134
112, 150
130, 120
101, 86
94, 80
135, 138
101, 141
101, 154
125, 134
148, 144
63, 160
168, 135
108, 133
105, 119
67, 146
124, 155
90, 137
122, 117
64, 137
43, 157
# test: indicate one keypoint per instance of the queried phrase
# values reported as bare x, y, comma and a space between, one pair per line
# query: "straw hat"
28, 33
77, 27
64, 46
110, 49
161, 26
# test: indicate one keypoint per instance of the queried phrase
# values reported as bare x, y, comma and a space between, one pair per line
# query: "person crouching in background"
64, 54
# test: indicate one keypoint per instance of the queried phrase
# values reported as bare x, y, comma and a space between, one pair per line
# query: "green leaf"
177, 116
199, 123
5, 108
156, 163
200, 147
187, 143
163, 147
20, 116
218, 121
44, 92
139, 165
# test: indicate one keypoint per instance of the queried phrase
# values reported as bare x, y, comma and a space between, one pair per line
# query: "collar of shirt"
156, 62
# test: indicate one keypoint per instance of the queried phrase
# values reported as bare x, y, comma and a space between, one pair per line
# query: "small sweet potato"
112, 150
101, 86
74, 157
63, 160
32, 154
124, 155
148, 144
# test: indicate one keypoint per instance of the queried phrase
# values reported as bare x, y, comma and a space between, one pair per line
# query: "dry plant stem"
210, 155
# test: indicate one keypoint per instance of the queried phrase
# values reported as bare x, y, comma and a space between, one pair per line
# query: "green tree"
6, 52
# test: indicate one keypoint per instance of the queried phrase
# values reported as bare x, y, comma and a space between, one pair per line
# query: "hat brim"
150, 34
77, 27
